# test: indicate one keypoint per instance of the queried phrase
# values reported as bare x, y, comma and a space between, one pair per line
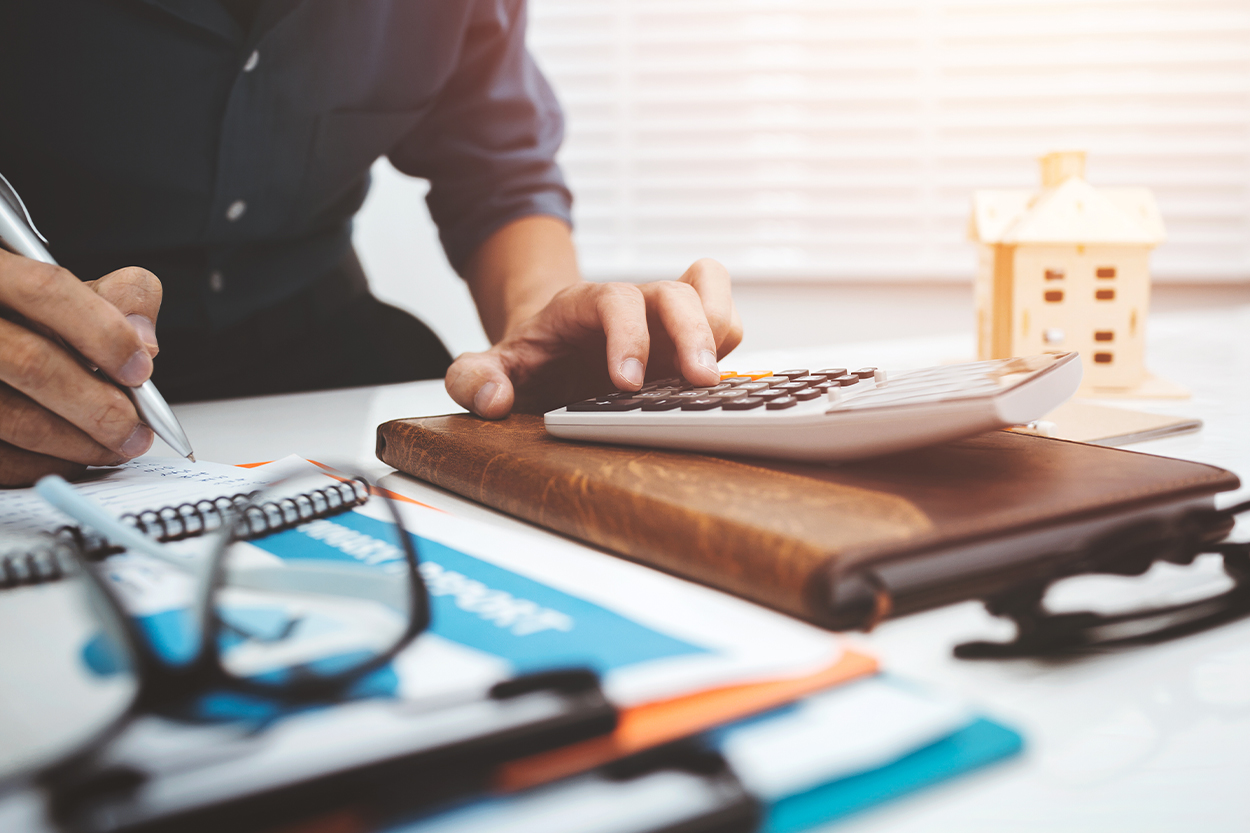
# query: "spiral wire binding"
187, 520
42, 558
49, 556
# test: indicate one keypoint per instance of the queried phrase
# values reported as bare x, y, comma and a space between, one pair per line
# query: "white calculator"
829, 414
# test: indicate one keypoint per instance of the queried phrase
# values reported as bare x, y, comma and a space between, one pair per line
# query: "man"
215, 151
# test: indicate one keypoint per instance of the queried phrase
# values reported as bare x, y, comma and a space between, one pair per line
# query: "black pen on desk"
18, 232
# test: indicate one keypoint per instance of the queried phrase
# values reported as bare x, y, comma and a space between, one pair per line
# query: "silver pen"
18, 232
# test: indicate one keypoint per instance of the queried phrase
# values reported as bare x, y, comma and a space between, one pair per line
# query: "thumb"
479, 382
137, 294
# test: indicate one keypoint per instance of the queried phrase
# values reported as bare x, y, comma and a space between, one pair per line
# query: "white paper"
835, 734
137, 486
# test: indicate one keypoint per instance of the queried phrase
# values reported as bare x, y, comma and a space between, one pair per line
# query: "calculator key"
756, 374
771, 393
782, 402
725, 374
609, 405
810, 379
705, 403
661, 404
689, 394
710, 388
848, 379
830, 372
616, 394
773, 380
807, 394
791, 374
672, 381
743, 403
737, 380
826, 385
753, 386
653, 394
865, 372
788, 386
732, 393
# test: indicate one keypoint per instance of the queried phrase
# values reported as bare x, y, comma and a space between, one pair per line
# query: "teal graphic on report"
480, 605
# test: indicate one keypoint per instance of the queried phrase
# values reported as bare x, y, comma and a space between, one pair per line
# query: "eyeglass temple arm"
56, 491
1040, 632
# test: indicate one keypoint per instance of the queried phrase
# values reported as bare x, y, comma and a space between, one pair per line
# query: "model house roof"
1072, 211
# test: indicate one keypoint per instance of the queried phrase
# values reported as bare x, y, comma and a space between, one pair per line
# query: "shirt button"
236, 210
216, 281
252, 61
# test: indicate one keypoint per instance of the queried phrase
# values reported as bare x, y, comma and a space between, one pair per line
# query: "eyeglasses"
292, 596
1128, 551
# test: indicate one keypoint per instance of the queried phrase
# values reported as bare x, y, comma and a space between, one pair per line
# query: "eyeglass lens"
319, 600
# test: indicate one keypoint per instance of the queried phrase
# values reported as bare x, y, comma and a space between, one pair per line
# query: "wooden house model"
1065, 268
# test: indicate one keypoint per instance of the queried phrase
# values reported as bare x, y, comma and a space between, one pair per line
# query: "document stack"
709, 713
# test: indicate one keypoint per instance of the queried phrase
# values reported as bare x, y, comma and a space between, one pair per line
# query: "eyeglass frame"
162, 683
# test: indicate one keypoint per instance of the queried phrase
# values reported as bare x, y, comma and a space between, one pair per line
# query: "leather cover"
840, 546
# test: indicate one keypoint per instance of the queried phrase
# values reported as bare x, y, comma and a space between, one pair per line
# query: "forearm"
518, 270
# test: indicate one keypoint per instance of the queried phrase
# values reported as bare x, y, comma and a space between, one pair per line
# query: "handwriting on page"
134, 487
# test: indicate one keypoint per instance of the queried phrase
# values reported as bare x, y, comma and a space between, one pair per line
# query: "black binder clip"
1128, 551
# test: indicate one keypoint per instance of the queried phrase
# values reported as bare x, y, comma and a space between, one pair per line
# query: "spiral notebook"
169, 499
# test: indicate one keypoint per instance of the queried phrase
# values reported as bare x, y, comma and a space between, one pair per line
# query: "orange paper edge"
653, 724
377, 490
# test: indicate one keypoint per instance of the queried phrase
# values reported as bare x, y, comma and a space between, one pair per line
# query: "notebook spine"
37, 559
187, 520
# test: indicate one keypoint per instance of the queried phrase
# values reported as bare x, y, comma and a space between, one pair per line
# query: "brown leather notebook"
840, 546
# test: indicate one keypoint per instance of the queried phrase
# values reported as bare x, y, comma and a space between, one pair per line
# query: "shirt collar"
212, 15
206, 14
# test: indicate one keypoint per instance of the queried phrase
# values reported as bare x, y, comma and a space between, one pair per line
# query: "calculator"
830, 414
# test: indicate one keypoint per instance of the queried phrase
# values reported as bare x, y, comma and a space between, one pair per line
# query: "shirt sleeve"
488, 146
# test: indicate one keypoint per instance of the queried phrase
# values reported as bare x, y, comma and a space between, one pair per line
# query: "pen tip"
191, 457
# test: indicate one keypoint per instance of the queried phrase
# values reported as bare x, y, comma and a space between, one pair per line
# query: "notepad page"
143, 484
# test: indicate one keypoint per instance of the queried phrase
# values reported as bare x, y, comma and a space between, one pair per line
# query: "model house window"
1102, 358
1054, 296
1054, 274
1104, 335
1053, 335
1105, 271
809, 139
1104, 294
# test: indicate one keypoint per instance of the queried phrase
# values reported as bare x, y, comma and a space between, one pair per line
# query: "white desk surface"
1153, 739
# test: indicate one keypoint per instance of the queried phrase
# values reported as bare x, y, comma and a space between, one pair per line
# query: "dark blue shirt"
161, 133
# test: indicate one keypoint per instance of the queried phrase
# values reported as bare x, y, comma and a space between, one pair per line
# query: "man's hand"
57, 416
590, 336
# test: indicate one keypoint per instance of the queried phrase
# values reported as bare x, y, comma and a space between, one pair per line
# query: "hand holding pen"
57, 416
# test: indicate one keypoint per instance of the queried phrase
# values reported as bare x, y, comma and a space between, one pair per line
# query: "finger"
680, 312
43, 371
711, 280
620, 311
32, 427
479, 383
51, 296
137, 295
19, 467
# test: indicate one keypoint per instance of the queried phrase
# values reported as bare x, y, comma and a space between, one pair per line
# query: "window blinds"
842, 139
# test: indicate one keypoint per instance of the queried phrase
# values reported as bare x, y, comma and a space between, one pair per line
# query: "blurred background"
826, 150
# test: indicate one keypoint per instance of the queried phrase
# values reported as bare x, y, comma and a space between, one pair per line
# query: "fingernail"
632, 371
485, 396
139, 441
144, 327
136, 371
708, 359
